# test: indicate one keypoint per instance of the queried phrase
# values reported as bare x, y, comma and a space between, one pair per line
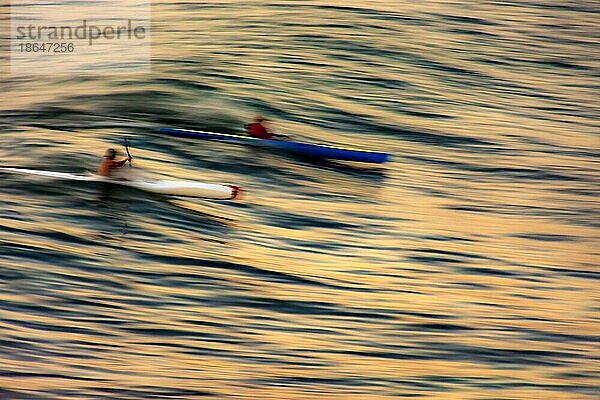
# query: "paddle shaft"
127, 150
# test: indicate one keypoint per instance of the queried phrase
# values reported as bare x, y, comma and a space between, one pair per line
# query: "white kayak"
173, 188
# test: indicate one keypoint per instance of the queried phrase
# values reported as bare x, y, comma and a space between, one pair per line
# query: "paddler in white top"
108, 162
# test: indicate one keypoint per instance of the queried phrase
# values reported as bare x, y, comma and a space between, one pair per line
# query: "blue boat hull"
306, 149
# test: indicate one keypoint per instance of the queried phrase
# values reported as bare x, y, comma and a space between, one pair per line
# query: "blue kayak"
306, 149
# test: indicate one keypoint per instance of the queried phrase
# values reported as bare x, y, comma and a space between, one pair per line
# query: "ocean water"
467, 268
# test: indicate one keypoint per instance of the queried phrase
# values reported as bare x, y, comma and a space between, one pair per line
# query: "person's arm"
119, 164
281, 136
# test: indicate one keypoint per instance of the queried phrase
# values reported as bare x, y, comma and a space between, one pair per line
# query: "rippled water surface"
467, 268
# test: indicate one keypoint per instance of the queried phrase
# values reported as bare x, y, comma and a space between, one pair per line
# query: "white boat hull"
172, 188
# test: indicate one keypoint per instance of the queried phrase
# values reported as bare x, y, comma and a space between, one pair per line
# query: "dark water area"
467, 268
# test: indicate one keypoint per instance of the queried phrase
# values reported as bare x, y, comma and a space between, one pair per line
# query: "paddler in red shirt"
258, 130
108, 162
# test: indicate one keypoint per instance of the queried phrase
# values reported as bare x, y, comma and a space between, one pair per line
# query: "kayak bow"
306, 149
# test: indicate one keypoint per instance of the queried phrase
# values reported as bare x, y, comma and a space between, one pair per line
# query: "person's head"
260, 119
110, 154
